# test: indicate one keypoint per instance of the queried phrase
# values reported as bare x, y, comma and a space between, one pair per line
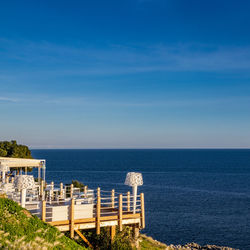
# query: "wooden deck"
105, 221
103, 214
68, 209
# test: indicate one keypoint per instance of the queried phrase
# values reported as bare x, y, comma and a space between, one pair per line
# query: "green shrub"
78, 184
122, 240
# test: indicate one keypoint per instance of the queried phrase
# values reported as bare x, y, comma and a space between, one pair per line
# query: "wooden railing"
105, 208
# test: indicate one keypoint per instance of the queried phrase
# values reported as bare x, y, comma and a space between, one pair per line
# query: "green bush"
12, 149
122, 240
78, 184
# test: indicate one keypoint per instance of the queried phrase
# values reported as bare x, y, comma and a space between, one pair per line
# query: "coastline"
189, 246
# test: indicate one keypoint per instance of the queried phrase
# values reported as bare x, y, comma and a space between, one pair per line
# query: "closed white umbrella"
134, 180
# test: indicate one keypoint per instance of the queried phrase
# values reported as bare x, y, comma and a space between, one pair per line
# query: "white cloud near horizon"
8, 99
90, 101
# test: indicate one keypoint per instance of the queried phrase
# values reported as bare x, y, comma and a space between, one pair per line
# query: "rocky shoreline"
189, 246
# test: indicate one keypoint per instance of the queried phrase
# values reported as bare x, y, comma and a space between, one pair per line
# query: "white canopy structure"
23, 163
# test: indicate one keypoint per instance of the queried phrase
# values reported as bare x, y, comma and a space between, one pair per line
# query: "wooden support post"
113, 198
71, 190
112, 232
128, 201
98, 191
84, 238
136, 234
44, 211
98, 214
72, 226
142, 211
61, 190
120, 213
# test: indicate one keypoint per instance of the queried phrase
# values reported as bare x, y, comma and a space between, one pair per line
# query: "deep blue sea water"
198, 196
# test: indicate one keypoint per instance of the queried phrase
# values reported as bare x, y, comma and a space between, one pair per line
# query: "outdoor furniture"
134, 180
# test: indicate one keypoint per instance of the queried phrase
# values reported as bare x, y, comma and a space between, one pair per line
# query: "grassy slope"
149, 243
20, 230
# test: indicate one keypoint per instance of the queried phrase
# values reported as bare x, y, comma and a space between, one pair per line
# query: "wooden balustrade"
44, 211
118, 216
142, 211
72, 228
85, 191
113, 198
52, 190
98, 212
42, 188
61, 190
71, 190
120, 213
128, 201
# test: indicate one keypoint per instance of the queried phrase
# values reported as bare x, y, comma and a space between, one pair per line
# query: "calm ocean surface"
198, 196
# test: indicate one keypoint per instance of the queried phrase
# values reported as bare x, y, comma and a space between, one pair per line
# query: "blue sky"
125, 74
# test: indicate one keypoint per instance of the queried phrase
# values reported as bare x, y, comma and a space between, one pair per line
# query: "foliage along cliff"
20, 230
12, 149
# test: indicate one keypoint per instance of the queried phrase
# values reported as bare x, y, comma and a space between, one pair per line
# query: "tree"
12, 149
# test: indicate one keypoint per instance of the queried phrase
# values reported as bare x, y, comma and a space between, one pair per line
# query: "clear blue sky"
125, 74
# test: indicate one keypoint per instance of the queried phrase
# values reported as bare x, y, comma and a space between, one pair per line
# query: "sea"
191, 195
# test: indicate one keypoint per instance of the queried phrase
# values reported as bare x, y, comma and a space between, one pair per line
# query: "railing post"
71, 190
85, 191
41, 188
39, 175
44, 211
120, 213
128, 201
98, 213
52, 190
61, 190
142, 211
113, 198
72, 227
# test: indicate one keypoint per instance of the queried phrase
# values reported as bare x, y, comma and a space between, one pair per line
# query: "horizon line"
167, 148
